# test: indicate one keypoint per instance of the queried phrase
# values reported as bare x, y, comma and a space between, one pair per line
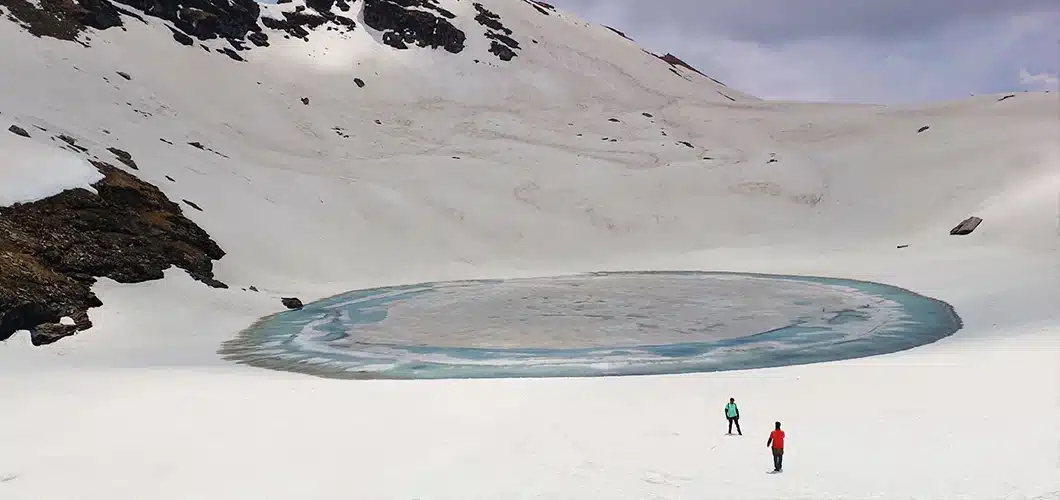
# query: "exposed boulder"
15, 129
52, 250
181, 37
124, 157
922, 129
291, 302
359, 82
51, 332
966, 226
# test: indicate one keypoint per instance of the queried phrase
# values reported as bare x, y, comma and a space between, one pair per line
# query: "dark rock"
377, 122
192, 204
236, 44
280, 2
80, 318
61, 19
124, 157
359, 82
165, 141
259, 38
489, 19
231, 53
291, 302
198, 145
673, 60
402, 26
181, 37
502, 51
50, 332
321, 6
686, 144
925, 127
70, 141
305, 100
648, 115
52, 250
725, 95
966, 226
253, 288
621, 34
171, 179
1010, 96
124, 75
615, 120
342, 5
903, 246
15, 129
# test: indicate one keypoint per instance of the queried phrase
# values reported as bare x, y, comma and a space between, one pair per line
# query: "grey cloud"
779, 21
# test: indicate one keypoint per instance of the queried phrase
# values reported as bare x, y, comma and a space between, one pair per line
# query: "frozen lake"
625, 323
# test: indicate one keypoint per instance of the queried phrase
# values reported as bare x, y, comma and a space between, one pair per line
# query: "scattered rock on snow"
359, 82
124, 75
291, 302
614, 120
192, 204
1010, 96
305, 100
966, 226
171, 179
181, 37
648, 115
502, 44
925, 127
124, 157
903, 246
686, 144
15, 129
70, 141
253, 288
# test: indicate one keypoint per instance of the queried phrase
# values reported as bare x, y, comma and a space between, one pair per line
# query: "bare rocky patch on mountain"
409, 22
53, 250
502, 44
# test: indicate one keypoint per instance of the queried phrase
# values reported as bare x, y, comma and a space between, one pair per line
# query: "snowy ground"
141, 406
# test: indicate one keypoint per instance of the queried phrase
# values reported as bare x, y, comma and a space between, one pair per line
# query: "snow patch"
31, 171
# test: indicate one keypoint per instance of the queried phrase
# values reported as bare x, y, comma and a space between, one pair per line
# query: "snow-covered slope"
337, 161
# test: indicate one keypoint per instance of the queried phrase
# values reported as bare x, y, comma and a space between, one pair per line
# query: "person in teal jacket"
733, 414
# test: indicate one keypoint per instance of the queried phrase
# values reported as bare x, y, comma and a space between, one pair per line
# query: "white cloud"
949, 58
1039, 81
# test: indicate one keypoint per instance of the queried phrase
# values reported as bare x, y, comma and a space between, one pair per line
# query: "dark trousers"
778, 458
734, 420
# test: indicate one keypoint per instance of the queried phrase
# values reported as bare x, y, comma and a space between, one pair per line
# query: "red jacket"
776, 438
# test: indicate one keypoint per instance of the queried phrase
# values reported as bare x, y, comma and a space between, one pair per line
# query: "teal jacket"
731, 411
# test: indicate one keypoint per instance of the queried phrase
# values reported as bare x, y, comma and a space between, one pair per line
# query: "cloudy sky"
849, 50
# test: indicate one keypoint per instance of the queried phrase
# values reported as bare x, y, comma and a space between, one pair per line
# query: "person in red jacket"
776, 441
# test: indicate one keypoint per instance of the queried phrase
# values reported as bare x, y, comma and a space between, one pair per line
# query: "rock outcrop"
403, 24
291, 302
502, 45
53, 250
966, 226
